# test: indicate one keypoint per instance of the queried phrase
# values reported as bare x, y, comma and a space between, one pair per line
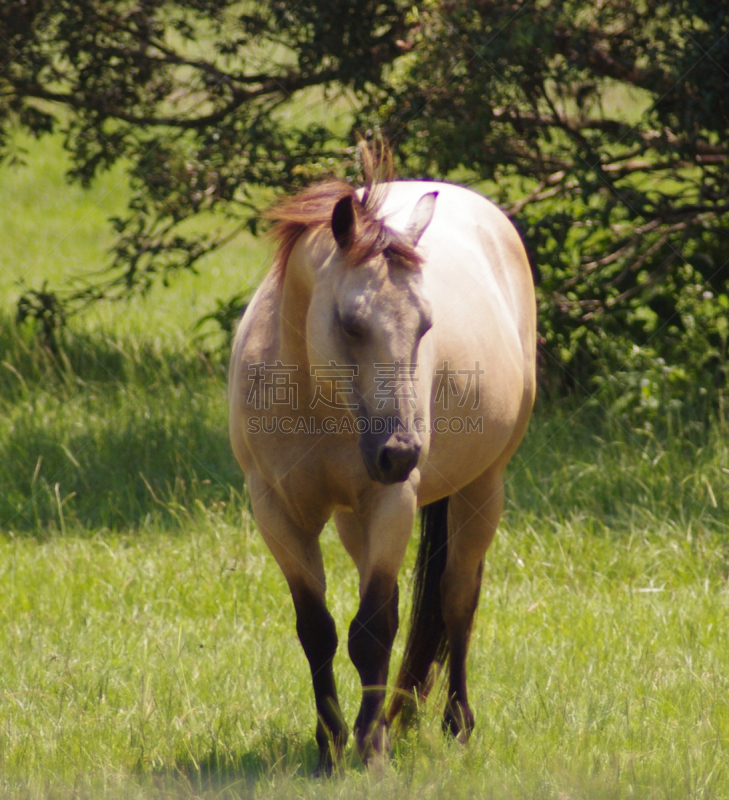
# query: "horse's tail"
427, 642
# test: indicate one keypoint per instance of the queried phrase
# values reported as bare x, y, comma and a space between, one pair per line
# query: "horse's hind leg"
298, 554
474, 513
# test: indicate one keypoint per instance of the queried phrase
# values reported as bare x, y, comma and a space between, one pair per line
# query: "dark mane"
312, 208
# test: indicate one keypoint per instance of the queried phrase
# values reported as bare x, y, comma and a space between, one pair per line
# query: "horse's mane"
312, 208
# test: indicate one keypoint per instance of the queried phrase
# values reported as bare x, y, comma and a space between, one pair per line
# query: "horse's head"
368, 315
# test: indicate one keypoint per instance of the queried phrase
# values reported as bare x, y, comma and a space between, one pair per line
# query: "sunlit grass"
169, 658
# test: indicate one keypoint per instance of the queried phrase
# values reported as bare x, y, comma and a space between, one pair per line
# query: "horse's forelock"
376, 239
312, 208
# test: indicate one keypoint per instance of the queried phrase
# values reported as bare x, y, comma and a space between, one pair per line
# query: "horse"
385, 364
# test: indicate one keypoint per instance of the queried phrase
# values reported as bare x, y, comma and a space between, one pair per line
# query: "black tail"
427, 642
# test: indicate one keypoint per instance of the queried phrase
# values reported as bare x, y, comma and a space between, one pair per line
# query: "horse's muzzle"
390, 461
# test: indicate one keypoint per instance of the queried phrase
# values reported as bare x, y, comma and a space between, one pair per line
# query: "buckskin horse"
385, 364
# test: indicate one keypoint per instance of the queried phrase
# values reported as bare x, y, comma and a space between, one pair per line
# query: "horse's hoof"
331, 750
458, 721
329, 764
324, 767
374, 744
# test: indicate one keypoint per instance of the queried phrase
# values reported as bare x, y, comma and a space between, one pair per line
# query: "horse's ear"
421, 217
344, 221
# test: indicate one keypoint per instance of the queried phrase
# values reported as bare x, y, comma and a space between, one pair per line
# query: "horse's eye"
352, 327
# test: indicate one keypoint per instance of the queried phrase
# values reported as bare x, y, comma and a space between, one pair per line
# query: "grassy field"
147, 641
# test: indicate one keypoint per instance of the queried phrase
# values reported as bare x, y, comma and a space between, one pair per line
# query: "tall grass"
108, 431
148, 647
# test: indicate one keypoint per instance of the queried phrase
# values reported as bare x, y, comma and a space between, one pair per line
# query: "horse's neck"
293, 310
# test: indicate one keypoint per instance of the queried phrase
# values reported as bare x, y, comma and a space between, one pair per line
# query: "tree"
602, 127
190, 95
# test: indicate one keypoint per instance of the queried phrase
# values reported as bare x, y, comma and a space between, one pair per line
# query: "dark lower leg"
370, 642
458, 717
318, 637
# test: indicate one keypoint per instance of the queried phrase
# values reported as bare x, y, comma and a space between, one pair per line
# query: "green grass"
165, 660
147, 639
110, 432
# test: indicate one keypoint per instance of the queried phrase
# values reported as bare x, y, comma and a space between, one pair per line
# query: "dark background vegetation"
600, 127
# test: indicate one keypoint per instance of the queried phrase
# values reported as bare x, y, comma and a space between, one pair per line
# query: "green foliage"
602, 129
194, 99
225, 316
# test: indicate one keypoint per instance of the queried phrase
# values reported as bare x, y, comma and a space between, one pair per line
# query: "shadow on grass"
577, 460
238, 774
114, 476
97, 357
110, 434
117, 432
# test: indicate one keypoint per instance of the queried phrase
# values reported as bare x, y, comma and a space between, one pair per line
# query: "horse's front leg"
377, 541
296, 549
371, 635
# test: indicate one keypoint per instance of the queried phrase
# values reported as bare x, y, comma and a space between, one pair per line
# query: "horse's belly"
458, 456
471, 434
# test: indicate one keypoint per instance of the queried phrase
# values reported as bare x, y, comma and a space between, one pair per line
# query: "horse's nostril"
384, 462
396, 463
